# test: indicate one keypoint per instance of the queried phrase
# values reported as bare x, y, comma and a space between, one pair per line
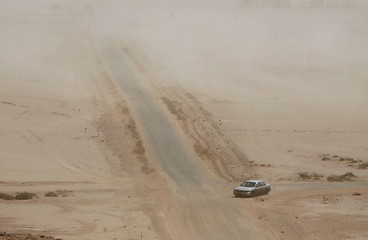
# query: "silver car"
252, 188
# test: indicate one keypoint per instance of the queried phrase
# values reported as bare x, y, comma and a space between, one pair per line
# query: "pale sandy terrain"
142, 116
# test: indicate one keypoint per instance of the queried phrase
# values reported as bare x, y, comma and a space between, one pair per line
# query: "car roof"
254, 181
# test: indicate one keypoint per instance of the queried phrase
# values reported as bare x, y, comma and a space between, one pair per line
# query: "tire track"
39, 145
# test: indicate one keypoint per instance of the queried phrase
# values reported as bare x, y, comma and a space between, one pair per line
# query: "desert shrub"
341, 178
349, 174
24, 196
181, 117
363, 165
6, 196
325, 159
335, 178
304, 175
51, 194
64, 193
316, 176
308, 176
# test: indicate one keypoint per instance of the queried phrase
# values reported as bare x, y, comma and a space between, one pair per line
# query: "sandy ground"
141, 117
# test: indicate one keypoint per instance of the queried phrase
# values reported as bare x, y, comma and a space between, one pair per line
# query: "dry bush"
304, 176
317, 176
6, 196
51, 194
64, 193
24, 196
341, 178
363, 165
309, 176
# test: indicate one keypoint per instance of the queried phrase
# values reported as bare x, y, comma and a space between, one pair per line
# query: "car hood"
240, 188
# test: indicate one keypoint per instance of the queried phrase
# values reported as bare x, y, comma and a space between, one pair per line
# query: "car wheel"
267, 191
252, 194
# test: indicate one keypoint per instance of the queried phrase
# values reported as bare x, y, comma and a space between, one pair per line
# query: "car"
252, 188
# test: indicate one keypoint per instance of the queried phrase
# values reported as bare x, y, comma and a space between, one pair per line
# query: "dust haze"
139, 118
299, 57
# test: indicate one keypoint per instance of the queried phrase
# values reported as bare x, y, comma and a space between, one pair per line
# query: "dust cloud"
284, 80
305, 58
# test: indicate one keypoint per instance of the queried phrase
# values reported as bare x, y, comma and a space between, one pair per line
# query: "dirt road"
191, 213
195, 209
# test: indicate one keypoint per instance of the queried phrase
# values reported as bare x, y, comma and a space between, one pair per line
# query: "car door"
258, 189
262, 188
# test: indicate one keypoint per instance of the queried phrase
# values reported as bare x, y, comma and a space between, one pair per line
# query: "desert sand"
136, 119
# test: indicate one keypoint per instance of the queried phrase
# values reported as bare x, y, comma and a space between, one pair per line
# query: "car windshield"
248, 184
